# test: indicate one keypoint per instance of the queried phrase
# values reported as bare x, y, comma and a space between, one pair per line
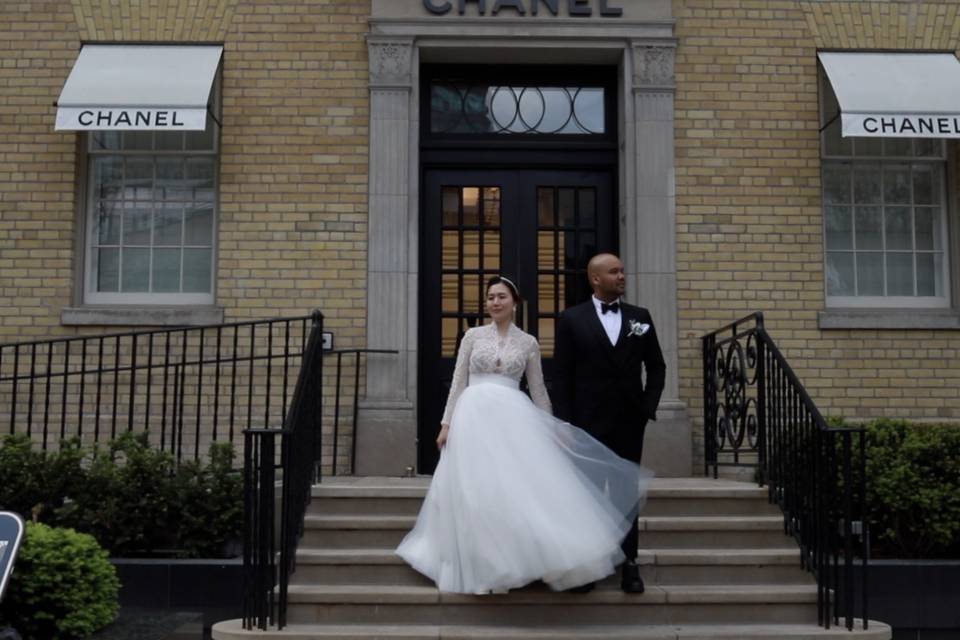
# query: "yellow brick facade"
293, 157
292, 219
750, 228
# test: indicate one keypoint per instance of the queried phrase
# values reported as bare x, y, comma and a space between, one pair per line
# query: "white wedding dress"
518, 495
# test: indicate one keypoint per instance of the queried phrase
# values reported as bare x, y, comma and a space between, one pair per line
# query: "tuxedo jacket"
598, 386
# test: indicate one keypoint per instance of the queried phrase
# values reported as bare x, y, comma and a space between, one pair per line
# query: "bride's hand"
442, 438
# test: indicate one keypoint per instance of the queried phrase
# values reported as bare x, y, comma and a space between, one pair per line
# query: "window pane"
136, 225
840, 274
167, 230
870, 274
929, 274
896, 184
926, 184
557, 111
136, 270
138, 179
929, 148
928, 236
546, 335
108, 224
170, 180
587, 112
897, 147
108, 177
491, 206
100, 140
869, 228
449, 293
451, 206
900, 274
545, 206
491, 250
199, 178
866, 184
867, 147
836, 184
899, 228
166, 270
471, 206
138, 140
107, 268
545, 294
471, 249
197, 265
839, 224
198, 221
169, 140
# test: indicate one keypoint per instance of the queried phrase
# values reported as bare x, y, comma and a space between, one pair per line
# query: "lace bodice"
482, 350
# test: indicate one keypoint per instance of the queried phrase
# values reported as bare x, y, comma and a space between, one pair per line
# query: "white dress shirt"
611, 321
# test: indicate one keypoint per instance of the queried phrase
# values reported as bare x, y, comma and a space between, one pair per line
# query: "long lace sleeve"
461, 374
534, 372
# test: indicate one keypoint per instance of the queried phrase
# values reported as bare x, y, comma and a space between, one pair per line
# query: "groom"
602, 347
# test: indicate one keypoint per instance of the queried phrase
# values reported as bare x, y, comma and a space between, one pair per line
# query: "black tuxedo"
599, 387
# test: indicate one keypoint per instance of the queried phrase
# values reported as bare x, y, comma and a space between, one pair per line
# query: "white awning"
897, 95
142, 87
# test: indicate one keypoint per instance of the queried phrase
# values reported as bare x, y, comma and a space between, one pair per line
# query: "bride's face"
499, 302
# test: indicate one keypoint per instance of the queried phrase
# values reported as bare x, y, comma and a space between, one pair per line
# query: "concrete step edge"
233, 630
711, 523
662, 557
655, 594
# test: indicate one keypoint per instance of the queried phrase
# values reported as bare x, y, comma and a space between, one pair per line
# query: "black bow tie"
613, 307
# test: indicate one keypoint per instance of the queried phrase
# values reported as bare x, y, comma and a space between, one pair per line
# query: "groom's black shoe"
630, 580
584, 588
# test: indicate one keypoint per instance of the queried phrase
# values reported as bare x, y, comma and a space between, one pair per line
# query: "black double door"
536, 227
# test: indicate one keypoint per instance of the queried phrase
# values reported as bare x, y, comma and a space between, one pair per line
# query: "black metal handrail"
271, 531
758, 414
185, 386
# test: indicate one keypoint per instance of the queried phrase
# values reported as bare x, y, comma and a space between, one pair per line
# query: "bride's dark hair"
514, 292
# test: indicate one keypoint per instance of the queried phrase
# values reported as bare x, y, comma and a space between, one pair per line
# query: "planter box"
211, 587
920, 599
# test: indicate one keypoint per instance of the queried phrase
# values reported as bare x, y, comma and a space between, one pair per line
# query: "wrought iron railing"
186, 387
757, 414
274, 522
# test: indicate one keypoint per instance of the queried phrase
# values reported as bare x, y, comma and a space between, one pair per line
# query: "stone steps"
714, 557
657, 566
661, 532
537, 606
232, 631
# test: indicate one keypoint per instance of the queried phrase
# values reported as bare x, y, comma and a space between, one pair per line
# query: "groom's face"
610, 281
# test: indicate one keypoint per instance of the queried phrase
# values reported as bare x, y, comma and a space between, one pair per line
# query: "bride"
518, 495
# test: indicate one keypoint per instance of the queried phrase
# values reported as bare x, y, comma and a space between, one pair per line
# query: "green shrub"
131, 497
208, 498
125, 498
35, 483
63, 587
913, 488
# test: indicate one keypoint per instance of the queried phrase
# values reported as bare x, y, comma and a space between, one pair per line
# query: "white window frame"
145, 299
946, 177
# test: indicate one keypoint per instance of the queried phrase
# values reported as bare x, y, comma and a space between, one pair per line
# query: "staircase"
714, 558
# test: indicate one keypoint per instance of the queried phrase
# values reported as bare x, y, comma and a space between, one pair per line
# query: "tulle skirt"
518, 496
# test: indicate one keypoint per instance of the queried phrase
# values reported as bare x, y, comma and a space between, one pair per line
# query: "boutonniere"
638, 328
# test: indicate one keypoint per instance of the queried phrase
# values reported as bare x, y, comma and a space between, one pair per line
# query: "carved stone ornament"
653, 65
390, 62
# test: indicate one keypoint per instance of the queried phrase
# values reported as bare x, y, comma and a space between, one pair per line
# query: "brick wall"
748, 198
293, 166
